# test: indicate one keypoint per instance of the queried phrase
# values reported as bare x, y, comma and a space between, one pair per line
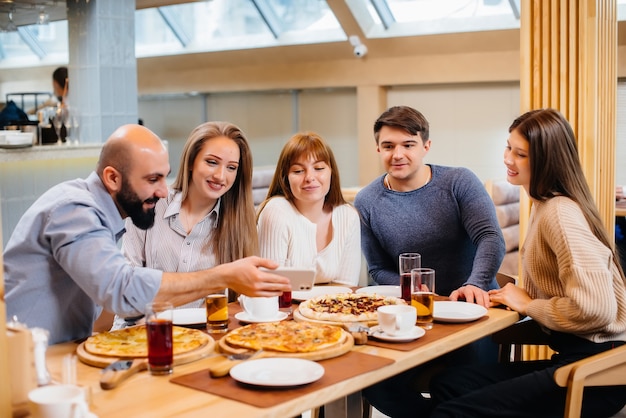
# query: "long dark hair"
555, 168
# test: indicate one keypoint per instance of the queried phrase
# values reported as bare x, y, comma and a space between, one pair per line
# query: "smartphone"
300, 278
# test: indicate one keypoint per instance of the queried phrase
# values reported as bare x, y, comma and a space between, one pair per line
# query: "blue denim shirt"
62, 264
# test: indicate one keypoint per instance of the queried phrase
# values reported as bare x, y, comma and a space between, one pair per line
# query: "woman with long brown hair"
208, 217
573, 285
305, 218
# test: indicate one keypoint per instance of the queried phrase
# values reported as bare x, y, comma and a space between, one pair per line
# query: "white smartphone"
300, 278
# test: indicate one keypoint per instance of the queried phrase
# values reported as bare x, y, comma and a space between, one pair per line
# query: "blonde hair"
236, 233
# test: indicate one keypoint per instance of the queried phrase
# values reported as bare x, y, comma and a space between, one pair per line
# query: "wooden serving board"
297, 316
330, 352
103, 361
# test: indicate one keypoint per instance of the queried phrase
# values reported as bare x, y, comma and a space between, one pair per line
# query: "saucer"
243, 317
414, 334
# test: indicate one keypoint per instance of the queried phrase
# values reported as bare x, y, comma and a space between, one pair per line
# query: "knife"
118, 371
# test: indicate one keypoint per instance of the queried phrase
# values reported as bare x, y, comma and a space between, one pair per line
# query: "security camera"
360, 51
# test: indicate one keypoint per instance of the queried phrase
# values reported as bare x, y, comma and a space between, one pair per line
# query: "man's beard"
133, 206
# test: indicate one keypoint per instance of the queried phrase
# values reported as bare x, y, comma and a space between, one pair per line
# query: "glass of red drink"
408, 262
160, 341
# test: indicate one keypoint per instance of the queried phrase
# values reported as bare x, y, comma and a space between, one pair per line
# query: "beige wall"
466, 84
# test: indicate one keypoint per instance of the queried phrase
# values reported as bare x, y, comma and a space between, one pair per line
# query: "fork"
223, 368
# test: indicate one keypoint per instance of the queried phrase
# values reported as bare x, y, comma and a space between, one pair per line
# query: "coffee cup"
259, 308
58, 401
396, 320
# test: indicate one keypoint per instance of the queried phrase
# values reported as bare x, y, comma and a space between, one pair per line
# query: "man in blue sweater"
443, 213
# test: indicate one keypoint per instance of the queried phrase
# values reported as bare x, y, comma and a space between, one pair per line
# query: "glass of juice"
217, 313
423, 296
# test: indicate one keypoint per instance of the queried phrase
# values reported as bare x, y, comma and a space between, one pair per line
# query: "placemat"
335, 370
439, 330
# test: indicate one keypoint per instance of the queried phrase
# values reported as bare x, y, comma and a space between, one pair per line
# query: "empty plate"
388, 290
189, 316
277, 371
458, 311
319, 291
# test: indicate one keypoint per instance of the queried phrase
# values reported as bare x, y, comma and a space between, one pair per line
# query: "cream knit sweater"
569, 273
284, 233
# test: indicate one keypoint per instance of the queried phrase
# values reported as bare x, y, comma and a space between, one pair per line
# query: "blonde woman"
208, 217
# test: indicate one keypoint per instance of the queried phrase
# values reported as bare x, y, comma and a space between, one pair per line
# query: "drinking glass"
217, 313
423, 296
159, 316
284, 300
408, 262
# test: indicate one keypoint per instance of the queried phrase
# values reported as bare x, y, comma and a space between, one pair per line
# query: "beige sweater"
575, 286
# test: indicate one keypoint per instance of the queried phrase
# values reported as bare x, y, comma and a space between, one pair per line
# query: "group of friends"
203, 234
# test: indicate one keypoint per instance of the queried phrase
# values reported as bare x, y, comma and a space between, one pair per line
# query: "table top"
620, 208
144, 395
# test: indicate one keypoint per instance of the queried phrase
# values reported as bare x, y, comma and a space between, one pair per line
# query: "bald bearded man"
62, 264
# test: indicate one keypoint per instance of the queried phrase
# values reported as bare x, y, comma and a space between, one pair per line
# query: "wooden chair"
603, 369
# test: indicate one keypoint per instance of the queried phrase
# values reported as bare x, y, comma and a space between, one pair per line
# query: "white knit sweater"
284, 233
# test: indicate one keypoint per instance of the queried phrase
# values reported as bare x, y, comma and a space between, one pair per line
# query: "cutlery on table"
359, 332
118, 371
223, 368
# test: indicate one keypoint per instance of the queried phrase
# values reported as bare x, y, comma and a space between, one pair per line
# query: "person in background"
573, 285
305, 217
208, 215
60, 84
443, 213
62, 264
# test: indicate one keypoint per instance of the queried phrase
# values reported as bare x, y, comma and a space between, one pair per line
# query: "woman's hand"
512, 296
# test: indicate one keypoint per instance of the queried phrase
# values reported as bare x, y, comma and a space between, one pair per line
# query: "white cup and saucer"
59, 401
260, 310
396, 323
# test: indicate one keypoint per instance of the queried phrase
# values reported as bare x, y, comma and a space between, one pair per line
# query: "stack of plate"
15, 139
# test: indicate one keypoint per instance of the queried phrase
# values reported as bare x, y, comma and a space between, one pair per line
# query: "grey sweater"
451, 222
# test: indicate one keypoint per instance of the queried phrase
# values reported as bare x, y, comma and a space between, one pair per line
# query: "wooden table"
620, 208
143, 395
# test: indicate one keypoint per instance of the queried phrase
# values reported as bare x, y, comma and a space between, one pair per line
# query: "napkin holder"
22, 370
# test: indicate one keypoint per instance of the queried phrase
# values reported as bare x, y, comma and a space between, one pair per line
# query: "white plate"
458, 311
188, 316
381, 290
277, 372
243, 317
319, 291
415, 333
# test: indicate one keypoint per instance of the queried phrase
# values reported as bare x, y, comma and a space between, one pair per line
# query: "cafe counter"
25, 173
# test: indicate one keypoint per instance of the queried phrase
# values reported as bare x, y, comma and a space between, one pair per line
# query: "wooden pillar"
371, 102
568, 57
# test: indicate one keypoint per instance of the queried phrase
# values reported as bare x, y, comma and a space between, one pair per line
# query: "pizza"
132, 342
286, 336
346, 307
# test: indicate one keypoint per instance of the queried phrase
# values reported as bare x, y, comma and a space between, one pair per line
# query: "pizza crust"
346, 307
132, 342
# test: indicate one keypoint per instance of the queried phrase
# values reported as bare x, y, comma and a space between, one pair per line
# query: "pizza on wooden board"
346, 307
132, 342
286, 337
